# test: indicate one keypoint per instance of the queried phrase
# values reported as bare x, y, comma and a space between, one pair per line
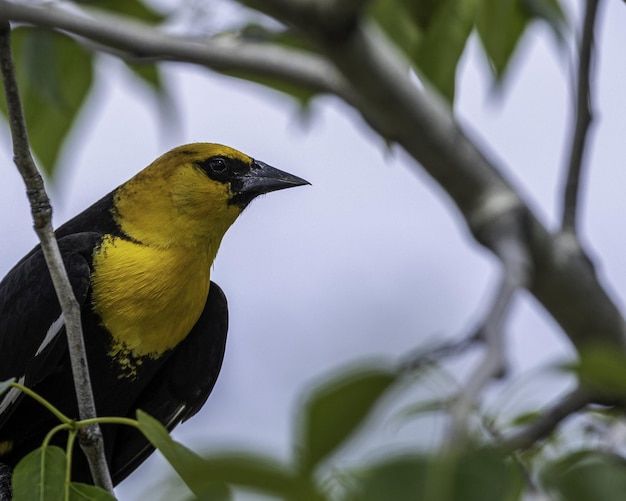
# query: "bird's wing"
31, 324
182, 385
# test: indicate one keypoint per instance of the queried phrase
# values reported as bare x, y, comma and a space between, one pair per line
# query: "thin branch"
548, 421
421, 358
582, 121
515, 275
140, 42
42, 217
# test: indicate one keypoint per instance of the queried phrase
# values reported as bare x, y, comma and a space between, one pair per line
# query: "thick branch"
582, 121
42, 217
563, 281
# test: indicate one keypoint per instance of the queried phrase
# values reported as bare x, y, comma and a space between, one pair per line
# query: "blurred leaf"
422, 12
148, 73
336, 409
253, 32
258, 473
525, 418
483, 474
443, 43
302, 95
434, 405
182, 459
85, 492
469, 475
132, 8
586, 476
40, 475
602, 368
5, 385
55, 75
399, 479
397, 20
500, 25
551, 12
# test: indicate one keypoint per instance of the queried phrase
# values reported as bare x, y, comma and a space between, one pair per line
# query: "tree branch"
226, 54
582, 121
563, 281
547, 421
42, 217
421, 358
509, 247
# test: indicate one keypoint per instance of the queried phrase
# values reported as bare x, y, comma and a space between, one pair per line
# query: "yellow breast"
148, 298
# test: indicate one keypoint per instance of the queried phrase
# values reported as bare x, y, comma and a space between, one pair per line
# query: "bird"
154, 324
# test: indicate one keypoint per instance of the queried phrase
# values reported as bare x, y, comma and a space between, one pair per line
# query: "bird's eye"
218, 165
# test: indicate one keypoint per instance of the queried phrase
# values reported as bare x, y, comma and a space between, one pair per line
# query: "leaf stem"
57, 413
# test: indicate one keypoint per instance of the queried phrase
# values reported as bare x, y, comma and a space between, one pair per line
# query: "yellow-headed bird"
139, 261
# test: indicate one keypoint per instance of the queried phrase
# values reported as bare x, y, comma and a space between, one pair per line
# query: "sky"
372, 260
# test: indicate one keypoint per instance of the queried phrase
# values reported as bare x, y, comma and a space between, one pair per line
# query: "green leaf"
259, 474
552, 13
426, 407
468, 475
55, 75
301, 94
5, 385
336, 409
397, 20
431, 34
148, 73
443, 43
602, 368
400, 478
422, 12
40, 475
182, 459
132, 8
525, 418
500, 25
85, 492
482, 474
586, 475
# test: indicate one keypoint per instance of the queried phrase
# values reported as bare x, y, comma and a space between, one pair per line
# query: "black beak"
260, 179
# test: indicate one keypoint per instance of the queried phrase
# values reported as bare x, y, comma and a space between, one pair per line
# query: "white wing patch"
176, 416
11, 396
52, 333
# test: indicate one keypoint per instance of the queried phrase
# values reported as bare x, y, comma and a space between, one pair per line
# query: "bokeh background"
372, 260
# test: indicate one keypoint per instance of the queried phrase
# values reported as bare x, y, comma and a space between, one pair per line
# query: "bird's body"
139, 262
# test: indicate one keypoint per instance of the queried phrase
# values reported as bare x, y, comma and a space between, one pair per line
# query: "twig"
547, 421
582, 121
421, 358
510, 248
42, 217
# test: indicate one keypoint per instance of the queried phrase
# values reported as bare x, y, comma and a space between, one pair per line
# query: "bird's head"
193, 193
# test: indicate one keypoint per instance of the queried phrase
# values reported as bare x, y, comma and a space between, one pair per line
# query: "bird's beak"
263, 178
